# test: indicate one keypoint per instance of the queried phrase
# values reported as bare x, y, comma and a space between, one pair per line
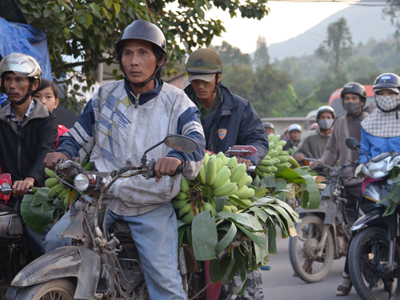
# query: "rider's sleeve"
189, 125
366, 146
332, 151
79, 141
47, 144
252, 133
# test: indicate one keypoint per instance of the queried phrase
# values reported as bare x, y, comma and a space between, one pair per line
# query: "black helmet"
354, 88
142, 30
325, 108
269, 125
387, 81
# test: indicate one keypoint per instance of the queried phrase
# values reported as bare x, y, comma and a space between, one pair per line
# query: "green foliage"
261, 56
231, 55
338, 45
87, 30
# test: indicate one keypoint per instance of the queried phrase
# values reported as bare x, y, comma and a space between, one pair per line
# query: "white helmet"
294, 127
21, 65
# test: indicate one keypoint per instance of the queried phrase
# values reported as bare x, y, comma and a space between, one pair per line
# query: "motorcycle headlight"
82, 182
378, 169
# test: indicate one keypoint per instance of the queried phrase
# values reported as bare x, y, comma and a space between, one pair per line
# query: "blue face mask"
325, 124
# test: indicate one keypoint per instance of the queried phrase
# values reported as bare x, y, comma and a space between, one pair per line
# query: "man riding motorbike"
314, 143
28, 132
227, 120
353, 97
120, 122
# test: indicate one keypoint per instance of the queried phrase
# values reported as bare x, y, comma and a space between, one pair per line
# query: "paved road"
279, 283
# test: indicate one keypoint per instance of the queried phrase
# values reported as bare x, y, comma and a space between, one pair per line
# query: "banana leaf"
34, 216
204, 236
41, 196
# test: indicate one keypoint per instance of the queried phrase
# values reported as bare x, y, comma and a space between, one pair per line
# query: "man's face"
351, 98
138, 60
204, 90
325, 115
17, 86
295, 135
269, 130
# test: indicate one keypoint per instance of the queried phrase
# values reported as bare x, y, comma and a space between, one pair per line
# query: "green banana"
293, 162
272, 153
208, 206
222, 156
189, 217
201, 177
280, 143
226, 208
278, 148
283, 158
238, 172
50, 182
220, 163
182, 196
55, 189
249, 193
232, 163
222, 175
266, 163
225, 190
247, 202
233, 208
242, 181
276, 138
211, 170
185, 209
184, 185
249, 180
49, 172
177, 204
243, 190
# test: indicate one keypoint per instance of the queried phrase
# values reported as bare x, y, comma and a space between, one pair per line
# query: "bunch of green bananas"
276, 158
291, 150
59, 190
219, 176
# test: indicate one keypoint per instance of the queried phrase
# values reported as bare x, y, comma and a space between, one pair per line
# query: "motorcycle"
97, 265
324, 233
14, 248
374, 253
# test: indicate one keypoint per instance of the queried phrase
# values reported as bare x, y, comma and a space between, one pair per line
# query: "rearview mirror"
353, 144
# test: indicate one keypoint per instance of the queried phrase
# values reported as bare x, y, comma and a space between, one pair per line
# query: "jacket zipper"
135, 113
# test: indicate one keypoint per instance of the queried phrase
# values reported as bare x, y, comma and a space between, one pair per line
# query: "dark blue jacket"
233, 121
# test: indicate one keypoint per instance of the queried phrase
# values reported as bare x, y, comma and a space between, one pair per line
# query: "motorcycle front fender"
68, 261
326, 210
370, 218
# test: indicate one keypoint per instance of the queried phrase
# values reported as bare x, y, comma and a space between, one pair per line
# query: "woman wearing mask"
381, 130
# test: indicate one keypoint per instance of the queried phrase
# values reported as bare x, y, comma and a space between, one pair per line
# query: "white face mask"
387, 103
325, 124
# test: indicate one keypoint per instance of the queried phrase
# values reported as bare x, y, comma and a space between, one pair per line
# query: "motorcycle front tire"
362, 266
303, 250
61, 288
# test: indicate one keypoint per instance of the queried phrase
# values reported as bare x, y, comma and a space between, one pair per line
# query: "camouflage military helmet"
204, 61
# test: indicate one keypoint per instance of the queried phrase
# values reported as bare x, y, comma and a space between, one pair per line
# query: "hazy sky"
284, 21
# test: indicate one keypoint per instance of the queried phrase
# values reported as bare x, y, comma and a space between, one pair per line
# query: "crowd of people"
139, 111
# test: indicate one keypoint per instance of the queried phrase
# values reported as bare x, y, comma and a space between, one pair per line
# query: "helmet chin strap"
28, 94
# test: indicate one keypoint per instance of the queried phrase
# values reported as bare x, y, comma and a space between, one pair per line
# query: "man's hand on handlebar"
52, 158
242, 160
166, 166
315, 165
21, 187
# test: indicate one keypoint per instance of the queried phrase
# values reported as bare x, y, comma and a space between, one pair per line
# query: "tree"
393, 12
87, 30
232, 56
261, 56
338, 45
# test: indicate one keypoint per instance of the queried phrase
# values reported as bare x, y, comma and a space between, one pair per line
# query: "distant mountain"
364, 22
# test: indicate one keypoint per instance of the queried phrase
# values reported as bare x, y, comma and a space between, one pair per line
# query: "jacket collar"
39, 112
227, 99
143, 98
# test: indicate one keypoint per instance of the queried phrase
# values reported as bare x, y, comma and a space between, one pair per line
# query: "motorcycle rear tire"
361, 263
58, 288
302, 246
